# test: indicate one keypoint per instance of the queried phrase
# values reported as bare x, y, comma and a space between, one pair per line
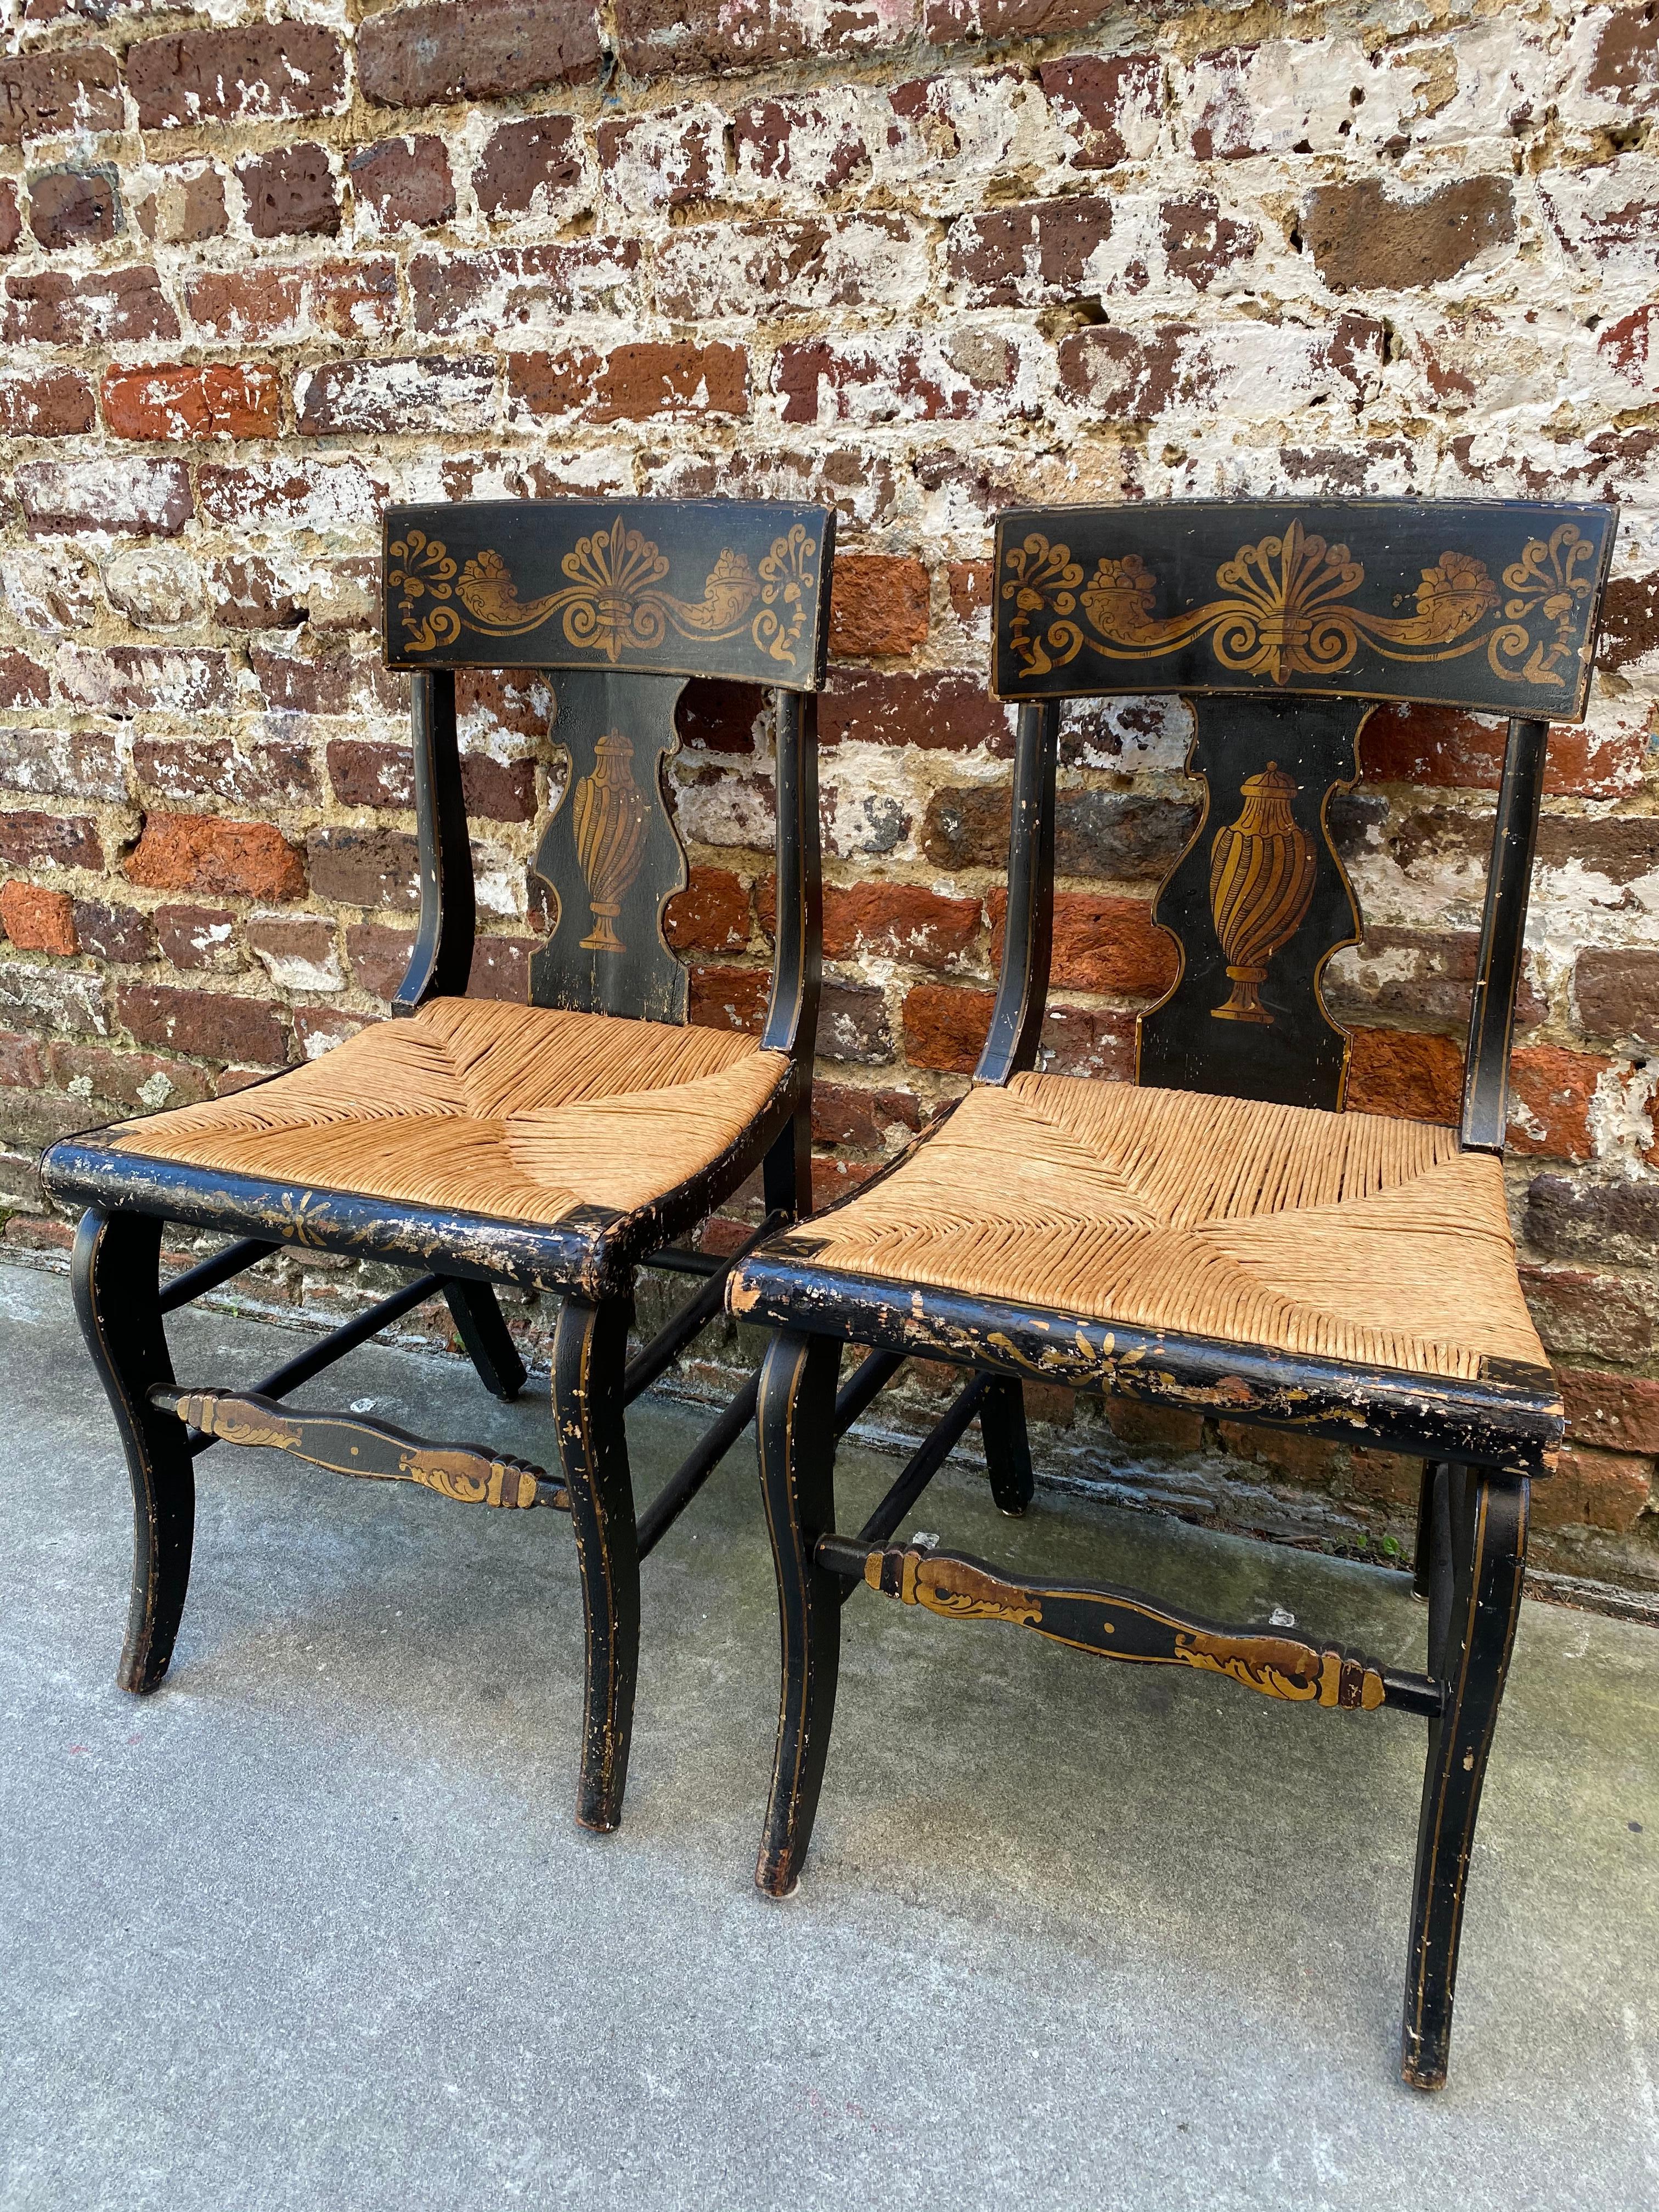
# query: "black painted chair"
559, 1145
1218, 1235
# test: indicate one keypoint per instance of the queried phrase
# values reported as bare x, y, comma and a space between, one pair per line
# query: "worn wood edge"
1111, 1623
1510, 1428
470, 1474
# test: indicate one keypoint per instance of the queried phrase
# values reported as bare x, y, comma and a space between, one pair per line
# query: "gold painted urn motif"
609, 817
1261, 883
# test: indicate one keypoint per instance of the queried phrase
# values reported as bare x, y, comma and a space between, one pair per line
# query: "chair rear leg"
1477, 1527
1007, 1447
479, 1323
590, 1351
117, 1268
796, 1425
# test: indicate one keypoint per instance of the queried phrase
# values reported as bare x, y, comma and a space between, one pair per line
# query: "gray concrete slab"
314, 1927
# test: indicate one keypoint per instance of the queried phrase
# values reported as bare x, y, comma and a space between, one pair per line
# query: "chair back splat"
1219, 1238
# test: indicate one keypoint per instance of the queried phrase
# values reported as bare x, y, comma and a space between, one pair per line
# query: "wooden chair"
1220, 1235
558, 1144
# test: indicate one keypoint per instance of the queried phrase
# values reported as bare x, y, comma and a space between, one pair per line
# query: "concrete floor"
314, 1927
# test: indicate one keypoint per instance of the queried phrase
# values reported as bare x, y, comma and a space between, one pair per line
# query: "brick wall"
919, 258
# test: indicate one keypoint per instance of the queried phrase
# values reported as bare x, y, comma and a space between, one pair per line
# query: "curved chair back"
1285, 624
622, 601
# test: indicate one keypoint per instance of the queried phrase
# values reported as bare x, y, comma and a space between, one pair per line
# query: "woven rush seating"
1341, 1236
522, 1113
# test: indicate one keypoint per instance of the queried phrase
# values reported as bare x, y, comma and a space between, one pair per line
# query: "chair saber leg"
1484, 1560
796, 1437
1007, 1447
590, 1353
1424, 1545
115, 1269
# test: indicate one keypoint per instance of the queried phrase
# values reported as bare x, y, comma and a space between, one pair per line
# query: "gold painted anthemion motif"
608, 818
1284, 609
616, 600
1262, 884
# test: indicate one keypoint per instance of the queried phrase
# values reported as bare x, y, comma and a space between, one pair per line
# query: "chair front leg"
590, 1353
796, 1425
116, 1272
1478, 1528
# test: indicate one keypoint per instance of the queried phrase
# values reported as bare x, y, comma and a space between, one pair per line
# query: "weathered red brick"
379, 957
1618, 993
1593, 1489
1364, 238
111, 306
803, 140
414, 57
1595, 1317
133, 679
11, 221
932, 712
848, 1113
878, 606
919, 378
233, 400
23, 682
291, 193
667, 37
344, 298
250, 595
1101, 944
1619, 1413
73, 207
1200, 242
271, 772
37, 920
482, 294
187, 206
22, 1061
126, 497
404, 182
1101, 99
711, 914
114, 932
1031, 255
632, 384
29, 840
541, 154
128, 1082
199, 938
366, 868
969, 583
946, 1026
1440, 745
206, 854
729, 998
1624, 65
898, 921
48, 402
208, 1024
1406, 1073
241, 76
432, 393
1550, 1095
75, 89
